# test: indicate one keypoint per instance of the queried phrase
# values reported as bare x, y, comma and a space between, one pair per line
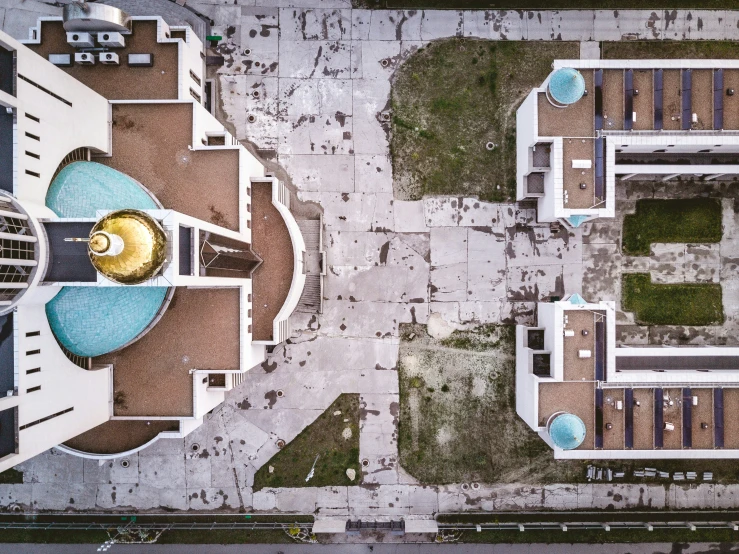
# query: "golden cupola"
127, 246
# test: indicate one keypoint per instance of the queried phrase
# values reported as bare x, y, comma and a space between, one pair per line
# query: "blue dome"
82, 188
92, 321
567, 431
566, 85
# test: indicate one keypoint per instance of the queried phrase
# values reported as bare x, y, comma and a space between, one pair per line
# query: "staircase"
311, 301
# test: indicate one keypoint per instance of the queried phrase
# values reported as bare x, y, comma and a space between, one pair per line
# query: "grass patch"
323, 437
658, 49
450, 99
679, 304
692, 220
458, 419
11, 476
551, 536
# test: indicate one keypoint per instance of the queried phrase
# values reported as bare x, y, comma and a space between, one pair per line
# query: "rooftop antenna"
312, 470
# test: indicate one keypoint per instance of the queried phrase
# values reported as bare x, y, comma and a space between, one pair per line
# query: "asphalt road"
651, 548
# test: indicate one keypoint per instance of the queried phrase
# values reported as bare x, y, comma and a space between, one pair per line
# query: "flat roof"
575, 367
573, 397
272, 279
120, 435
120, 82
199, 330
677, 360
150, 144
69, 261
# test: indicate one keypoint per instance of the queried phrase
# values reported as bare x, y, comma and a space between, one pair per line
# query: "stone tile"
448, 282
374, 173
395, 25
53, 466
315, 135
448, 246
162, 471
315, 173
141, 497
309, 59
111, 471
539, 25
577, 25
409, 217
437, 24
197, 473
605, 25
361, 22
213, 498
315, 24
72, 495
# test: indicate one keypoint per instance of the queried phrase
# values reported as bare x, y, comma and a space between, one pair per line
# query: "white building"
627, 402
594, 123
105, 350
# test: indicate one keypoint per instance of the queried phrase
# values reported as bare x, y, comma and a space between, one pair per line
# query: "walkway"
324, 79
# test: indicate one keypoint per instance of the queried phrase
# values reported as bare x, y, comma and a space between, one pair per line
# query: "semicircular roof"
92, 321
567, 431
567, 85
82, 188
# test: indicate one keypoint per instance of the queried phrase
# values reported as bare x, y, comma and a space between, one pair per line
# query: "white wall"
63, 385
526, 137
61, 128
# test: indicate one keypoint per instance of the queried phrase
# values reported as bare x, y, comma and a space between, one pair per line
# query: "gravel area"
119, 435
644, 101
199, 330
575, 398
613, 99
271, 242
731, 103
575, 368
644, 419
702, 98
671, 99
674, 415
576, 120
120, 82
578, 149
703, 413
150, 143
613, 439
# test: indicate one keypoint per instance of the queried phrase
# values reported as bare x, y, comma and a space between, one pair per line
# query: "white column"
11, 261
21, 238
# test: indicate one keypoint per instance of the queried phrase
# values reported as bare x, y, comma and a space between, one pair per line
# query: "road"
651, 548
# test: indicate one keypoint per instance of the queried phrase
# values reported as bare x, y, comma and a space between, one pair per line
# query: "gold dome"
143, 252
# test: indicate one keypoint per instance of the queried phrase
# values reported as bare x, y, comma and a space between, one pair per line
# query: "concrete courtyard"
324, 74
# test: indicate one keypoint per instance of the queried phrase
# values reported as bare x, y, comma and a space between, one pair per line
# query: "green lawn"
323, 438
692, 220
680, 304
11, 476
453, 97
659, 49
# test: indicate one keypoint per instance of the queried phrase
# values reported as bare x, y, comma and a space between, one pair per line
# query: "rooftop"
120, 82
272, 279
150, 144
119, 435
199, 330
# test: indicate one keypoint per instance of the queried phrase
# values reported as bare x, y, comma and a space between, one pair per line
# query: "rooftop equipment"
83, 58
109, 58
112, 40
80, 40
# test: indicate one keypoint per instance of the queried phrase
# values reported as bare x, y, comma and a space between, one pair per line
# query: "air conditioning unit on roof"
110, 58
111, 40
80, 40
84, 58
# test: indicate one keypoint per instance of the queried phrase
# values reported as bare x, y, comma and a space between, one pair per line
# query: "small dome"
82, 188
566, 86
92, 321
143, 246
567, 431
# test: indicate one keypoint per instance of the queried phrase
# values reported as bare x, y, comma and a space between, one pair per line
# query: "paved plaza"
323, 72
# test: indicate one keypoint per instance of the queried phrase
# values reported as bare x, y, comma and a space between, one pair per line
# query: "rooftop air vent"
112, 40
80, 40
83, 58
109, 58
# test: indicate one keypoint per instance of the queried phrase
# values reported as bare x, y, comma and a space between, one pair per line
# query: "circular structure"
92, 321
125, 463
128, 246
566, 86
566, 430
82, 188
195, 447
251, 118
365, 463
490, 146
280, 394
85, 17
255, 94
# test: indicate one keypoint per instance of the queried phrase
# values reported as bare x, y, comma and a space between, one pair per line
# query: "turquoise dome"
92, 321
566, 86
567, 431
82, 188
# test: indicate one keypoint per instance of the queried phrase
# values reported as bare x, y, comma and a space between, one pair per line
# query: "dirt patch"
452, 98
458, 419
